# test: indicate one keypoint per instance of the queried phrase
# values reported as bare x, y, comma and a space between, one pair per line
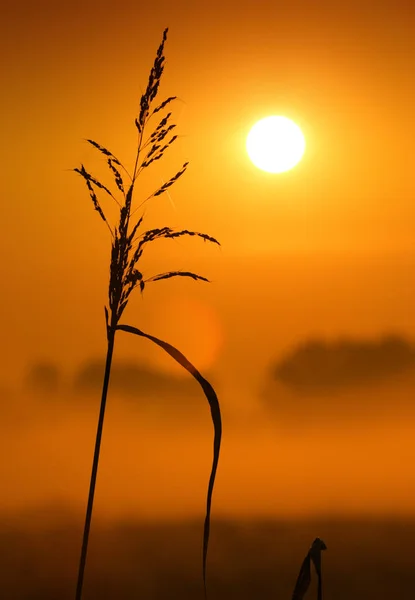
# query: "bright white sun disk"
275, 144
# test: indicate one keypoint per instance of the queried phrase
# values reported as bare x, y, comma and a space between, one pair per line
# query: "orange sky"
325, 250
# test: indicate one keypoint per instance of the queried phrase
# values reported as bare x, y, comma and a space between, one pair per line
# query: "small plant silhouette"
128, 244
304, 577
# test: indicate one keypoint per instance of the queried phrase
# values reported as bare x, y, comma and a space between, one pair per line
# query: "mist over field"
327, 454
336, 440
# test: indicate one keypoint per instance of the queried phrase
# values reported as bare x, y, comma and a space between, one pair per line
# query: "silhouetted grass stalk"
304, 577
94, 472
127, 248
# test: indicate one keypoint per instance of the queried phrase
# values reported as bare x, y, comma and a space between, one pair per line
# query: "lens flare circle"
275, 144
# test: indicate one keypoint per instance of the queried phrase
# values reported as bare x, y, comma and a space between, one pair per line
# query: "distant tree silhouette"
344, 362
43, 377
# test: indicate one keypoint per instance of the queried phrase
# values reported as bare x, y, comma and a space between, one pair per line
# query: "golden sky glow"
326, 251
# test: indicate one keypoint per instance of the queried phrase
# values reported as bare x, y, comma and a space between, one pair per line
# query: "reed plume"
128, 242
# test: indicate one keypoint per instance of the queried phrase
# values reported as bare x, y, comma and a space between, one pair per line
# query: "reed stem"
88, 516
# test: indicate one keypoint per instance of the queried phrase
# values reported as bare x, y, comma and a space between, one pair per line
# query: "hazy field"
249, 559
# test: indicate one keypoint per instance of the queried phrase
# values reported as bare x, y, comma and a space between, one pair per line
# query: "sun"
275, 144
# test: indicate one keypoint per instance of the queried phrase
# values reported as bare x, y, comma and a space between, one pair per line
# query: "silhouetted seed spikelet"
92, 193
129, 198
170, 182
204, 236
158, 136
153, 234
148, 163
117, 176
130, 282
160, 154
88, 177
162, 123
149, 236
133, 277
168, 233
152, 150
163, 104
121, 308
194, 276
122, 227
134, 229
101, 186
152, 86
164, 132
105, 151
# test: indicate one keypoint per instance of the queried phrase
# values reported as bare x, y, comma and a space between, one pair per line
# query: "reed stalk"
128, 245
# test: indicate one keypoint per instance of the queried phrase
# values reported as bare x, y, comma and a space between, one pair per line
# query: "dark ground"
252, 559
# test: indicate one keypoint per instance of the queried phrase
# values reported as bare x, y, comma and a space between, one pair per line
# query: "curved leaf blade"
315, 555
303, 580
216, 418
304, 577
